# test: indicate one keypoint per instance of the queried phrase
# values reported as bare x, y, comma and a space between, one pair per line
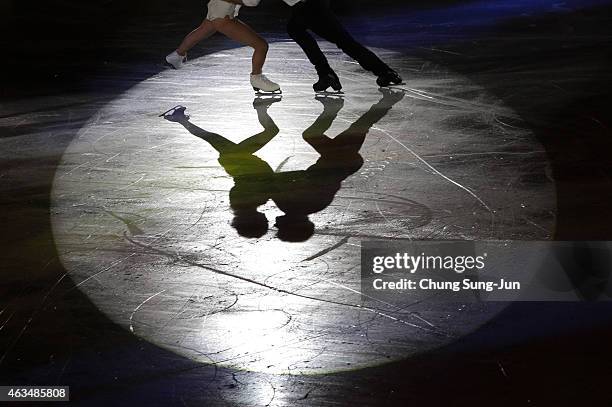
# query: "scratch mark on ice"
140, 306
435, 171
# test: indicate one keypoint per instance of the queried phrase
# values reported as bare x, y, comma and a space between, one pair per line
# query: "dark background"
54, 33
43, 41
550, 64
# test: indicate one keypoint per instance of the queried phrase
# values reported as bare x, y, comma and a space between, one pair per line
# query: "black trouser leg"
319, 17
297, 28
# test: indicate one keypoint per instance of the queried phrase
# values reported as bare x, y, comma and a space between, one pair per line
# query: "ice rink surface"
156, 220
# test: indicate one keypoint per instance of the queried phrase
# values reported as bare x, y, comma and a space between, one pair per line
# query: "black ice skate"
387, 78
326, 80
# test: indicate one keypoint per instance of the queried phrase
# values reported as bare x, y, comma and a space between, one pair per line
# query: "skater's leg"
324, 23
242, 33
297, 28
204, 31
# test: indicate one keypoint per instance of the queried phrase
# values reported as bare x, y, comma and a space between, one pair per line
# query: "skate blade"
395, 86
169, 110
268, 97
328, 96
330, 92
260, 92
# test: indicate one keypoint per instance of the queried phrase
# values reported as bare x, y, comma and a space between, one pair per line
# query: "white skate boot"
262, 84
175, 60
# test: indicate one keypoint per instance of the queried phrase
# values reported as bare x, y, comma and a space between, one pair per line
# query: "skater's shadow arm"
352, 139
225, 146
218, 142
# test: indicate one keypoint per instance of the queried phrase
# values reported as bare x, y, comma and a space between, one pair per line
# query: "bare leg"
239, 31
205, 30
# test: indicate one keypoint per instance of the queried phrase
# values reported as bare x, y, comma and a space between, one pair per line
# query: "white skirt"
221, 9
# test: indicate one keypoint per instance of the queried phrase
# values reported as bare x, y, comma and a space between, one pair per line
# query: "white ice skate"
261, 84
175, 60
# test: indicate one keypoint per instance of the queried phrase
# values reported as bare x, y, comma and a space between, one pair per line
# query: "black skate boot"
326, 80
389, 77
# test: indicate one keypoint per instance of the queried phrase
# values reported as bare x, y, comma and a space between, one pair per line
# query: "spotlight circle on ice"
179, 246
